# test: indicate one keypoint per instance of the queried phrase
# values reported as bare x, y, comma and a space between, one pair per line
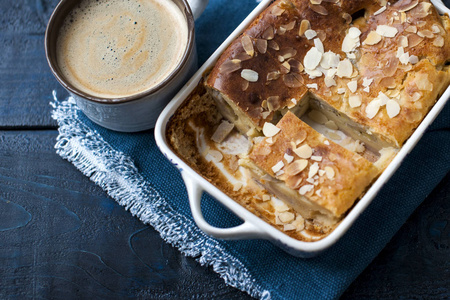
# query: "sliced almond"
304, 151
386, 30
286, 217
293, 80
304, 25
249, 75
319, 45
270, 130
313, 170
319, 9
288, 158
372, 38
312, 58
290, 25
268, 34
230, 66
354, 101
329, 81
273, 75
425, 33
273, 45
439, 41
296, 66
285, 68
372, 108
403, 41
277, 11
261, 45
310, 34
305, 189
352, 86
294, 182
278, 166
382, 9
247, 44
288, 52
296, 167
344, 69
329, 172
411, 28
414, 40
408, 6
245, 85
273, 103
392, 108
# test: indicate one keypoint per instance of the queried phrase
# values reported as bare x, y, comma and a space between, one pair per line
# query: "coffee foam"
118, 48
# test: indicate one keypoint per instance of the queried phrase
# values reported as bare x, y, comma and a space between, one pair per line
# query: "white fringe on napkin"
116, 174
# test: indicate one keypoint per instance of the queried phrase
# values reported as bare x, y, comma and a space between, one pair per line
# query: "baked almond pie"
309, 105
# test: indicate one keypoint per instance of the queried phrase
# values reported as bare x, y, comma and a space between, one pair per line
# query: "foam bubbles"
117, 48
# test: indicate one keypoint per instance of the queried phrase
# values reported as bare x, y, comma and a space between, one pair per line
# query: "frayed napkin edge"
117, 175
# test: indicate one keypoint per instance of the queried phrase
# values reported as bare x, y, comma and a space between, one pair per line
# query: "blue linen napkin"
130, 168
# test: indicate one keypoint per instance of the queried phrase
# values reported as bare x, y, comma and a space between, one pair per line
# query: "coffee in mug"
118, 48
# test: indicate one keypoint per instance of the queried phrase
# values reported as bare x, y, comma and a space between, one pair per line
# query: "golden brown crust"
420, 32
336, 189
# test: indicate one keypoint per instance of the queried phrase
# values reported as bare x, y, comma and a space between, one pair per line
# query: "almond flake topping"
438, 41
304, 151
319, 9
261, 45
270, 130
268, 33
230, 66
273, 75
353, 85
288, 158
312, 86
306, 188
249, 75
354, 101
383, 8
313, 170
312, 58
310, 34
247, 44
351, 40
403, 41
409, 6
319, 45
329, 81
316, 158
367, 82
372, 108
341, 91
392, 108
296, 167
265, 197
330, 172
372, 38
304, 26
278, 166
386, 30
286, 217
345, 68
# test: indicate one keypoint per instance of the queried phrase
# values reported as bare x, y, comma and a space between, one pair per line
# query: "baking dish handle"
441, 7
246, 230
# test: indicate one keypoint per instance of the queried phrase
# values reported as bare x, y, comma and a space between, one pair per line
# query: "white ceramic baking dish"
254, 227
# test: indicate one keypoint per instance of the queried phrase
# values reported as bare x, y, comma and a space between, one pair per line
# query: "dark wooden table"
61, 236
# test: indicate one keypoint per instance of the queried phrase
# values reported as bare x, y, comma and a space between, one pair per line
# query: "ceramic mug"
135, 112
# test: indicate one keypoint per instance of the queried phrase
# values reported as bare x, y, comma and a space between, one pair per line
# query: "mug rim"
51, 56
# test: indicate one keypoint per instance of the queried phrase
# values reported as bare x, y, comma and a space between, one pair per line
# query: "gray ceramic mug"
139, 111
